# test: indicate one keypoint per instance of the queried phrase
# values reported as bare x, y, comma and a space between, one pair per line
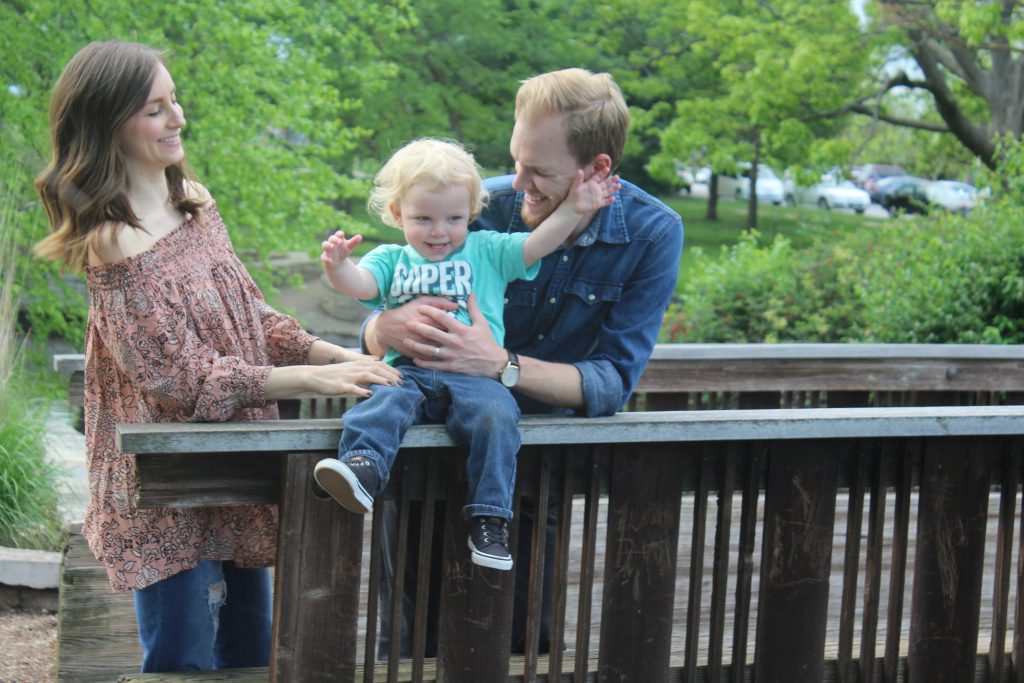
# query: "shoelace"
494, 533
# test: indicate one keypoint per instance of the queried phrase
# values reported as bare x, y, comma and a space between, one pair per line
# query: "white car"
769, 185
952, 195
832, 193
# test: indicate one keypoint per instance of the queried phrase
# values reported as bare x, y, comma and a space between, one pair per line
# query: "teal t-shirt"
485, 264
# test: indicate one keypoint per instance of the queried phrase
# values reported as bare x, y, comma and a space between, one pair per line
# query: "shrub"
766, 293
940, 279
29, 492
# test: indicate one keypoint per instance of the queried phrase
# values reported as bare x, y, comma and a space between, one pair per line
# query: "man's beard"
532, 220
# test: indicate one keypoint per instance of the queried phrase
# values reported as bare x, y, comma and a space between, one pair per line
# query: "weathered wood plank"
640, 563
799, 517
949, 559
317, 578
97, 638
674, 426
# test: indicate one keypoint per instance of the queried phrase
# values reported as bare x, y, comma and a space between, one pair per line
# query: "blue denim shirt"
599, 303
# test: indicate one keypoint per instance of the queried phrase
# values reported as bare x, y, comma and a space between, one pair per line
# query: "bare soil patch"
28, 641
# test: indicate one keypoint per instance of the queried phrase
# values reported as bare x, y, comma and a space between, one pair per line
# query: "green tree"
965, 54
269, 90
457, 67
780, 69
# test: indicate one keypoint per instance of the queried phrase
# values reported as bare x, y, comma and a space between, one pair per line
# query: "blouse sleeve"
177, 375
287, 342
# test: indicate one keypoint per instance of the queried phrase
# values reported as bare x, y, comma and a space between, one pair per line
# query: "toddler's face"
435, 223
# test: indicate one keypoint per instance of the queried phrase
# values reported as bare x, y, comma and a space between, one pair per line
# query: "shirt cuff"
602, 388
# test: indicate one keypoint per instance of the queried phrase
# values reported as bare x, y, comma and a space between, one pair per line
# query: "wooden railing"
863, 543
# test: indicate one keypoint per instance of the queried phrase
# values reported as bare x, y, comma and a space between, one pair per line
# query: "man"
578, 336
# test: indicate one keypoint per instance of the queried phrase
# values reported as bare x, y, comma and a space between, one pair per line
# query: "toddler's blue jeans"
481, 414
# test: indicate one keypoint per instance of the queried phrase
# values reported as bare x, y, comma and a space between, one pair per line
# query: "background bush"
29, 492
937, 279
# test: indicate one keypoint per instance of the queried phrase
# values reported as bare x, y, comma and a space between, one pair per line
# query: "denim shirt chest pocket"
577, 314
585, 305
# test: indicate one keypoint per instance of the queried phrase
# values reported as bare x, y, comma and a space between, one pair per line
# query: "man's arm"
384, 330
471, 350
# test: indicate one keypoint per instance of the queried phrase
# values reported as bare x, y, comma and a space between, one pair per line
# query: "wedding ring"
437, 352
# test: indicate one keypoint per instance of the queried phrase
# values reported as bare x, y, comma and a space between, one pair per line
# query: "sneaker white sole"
485, 560
342, 485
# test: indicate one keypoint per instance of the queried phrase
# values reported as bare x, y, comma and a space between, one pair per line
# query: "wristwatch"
509, 374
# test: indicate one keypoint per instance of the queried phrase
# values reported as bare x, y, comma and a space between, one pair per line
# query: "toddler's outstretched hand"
337, 248
595, 193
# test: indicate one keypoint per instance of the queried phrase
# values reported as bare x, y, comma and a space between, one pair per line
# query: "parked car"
769, 185
868, 175
830, 192
691, 176
902, 194
952, 195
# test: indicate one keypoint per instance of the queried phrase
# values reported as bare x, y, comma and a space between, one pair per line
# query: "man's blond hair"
597, 118
438, 164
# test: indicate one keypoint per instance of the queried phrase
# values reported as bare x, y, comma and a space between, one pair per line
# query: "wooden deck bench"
695, 598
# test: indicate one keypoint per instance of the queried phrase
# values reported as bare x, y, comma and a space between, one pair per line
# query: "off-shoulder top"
178, 333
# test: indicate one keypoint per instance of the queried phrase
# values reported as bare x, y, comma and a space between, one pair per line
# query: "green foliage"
28, 492
940, 279
271, 94
765, 293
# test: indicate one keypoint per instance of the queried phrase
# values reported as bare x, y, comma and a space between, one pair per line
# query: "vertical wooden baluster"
745, 559
720, 572
1008, 484
799, 516
948, 561
905, 453
860, 464
693, 611
598, 461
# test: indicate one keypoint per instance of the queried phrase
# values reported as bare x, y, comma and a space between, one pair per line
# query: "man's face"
544, 166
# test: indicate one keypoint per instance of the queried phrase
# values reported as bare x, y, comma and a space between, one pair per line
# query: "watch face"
510, 376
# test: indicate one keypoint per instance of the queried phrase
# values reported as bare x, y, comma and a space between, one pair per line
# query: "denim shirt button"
540, 337
590, 297
506, 300
552, 300
565, 257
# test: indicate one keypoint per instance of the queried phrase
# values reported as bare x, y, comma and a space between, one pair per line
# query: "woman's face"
150, 137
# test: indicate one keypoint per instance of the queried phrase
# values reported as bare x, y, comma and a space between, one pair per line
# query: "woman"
177, 332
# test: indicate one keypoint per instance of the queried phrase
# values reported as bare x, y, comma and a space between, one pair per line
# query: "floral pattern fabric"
178, 333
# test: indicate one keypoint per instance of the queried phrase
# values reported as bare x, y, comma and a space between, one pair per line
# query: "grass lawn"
802, 225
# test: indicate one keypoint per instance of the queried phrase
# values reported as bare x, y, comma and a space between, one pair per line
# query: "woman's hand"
352, 378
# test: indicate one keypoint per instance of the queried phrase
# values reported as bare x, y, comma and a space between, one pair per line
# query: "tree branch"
897, 120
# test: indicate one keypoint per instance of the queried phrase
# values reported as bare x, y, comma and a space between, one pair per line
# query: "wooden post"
644, 499
475, 633
799, 516
955, 476
316, 593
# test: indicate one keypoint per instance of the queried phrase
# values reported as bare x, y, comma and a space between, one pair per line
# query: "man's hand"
443, 343
390, 329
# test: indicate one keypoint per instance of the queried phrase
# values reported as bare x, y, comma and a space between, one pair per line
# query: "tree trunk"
712, 212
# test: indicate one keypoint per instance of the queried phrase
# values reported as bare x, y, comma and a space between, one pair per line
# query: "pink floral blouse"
179, 333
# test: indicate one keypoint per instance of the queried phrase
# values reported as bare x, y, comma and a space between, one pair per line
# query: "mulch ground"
28, 641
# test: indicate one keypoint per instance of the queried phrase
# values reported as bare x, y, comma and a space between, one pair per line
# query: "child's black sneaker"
488, 541
352, 483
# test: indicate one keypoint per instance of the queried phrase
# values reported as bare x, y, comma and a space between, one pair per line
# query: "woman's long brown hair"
85, 184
